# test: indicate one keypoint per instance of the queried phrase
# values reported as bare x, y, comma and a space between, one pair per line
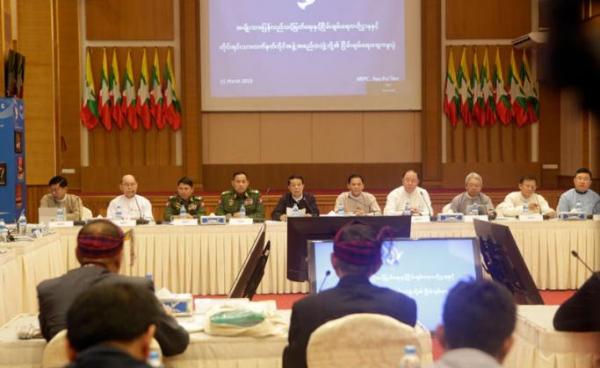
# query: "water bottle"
242, 210
578, 207
295, 210
60, 214
525, 208
119, 212
3, 231
410, 358
474, 211
406, 211
182, 211
22, 224
154, 359
340, 209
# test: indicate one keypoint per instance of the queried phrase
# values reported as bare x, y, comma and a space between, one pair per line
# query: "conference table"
204, 351
538, 345
204, 260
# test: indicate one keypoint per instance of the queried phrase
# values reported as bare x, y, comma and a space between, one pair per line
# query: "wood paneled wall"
488, 19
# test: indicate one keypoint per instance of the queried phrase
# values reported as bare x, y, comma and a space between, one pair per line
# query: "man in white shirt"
356, 200
131, 205
515, 202
409, 192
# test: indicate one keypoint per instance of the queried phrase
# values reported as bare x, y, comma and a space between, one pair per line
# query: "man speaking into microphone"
409, 193
356, 257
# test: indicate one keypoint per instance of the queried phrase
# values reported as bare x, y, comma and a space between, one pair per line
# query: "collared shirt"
136, 207
397, 199
194, 206
513, 204
231, 202
307, 202
364, 201
568, 200
466, 358
71, 203
461, 203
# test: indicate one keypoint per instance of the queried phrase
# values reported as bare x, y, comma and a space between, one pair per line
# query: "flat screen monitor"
503, 260
253, 269
301, 229
424, 269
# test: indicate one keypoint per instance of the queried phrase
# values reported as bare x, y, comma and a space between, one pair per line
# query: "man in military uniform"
194, 205
231, 200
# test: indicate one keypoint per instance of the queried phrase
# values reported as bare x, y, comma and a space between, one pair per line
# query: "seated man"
100, 252
129, 204
231, 201
295, 196
581, 195
581, 312
356, 257
409, 193
59, 198
355, 200
479, 318
193, 205
515, 202
112, 325
597, 208
472, 201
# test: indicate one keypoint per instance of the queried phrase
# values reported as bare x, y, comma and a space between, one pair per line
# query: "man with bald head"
408, 196
129, 205
100, 253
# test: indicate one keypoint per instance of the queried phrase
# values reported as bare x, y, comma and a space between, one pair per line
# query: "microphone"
576, 255
323, 282
426, 204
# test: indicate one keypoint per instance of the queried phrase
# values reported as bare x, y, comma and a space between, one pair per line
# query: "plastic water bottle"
242, 210
60, 214
406, 209
295, 210
410, 358
578, 207
154, 359
119, 212
340, 209
3, 231
474, 209
525, 208
22, 224
182, 211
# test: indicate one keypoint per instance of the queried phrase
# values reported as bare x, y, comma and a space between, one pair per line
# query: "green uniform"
231, 202
193, 206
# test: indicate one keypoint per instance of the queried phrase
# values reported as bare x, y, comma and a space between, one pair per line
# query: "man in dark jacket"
112, 325
356, 257
99, 251
295, 196
581, 312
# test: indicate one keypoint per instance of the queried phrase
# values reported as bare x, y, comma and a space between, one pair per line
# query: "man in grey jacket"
478, 321
99, 251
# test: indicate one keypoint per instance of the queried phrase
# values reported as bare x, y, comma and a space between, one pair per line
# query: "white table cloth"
539, 345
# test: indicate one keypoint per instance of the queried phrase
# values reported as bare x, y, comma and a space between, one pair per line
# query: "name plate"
596, 217
54, 224
571, 216
531, 217
450, 217
185, 222
416, 219
123, 222
179, 304
213, 220
470, 218
240, 221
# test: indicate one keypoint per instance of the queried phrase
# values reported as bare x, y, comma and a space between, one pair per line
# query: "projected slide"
290, 49
424, 270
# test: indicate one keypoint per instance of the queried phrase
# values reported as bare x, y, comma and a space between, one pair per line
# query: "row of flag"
154, 103
472, 95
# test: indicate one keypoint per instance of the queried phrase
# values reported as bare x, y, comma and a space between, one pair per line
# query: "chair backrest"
55, 353
360, 340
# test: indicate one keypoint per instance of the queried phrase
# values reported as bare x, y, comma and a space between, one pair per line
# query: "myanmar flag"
143, 95
464, 89
533, 103
502, 100
104, 99
476, 87
114, 86
487, 91
89, 107
451, 98
156, 95
129, 104
172, 107
517, 95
